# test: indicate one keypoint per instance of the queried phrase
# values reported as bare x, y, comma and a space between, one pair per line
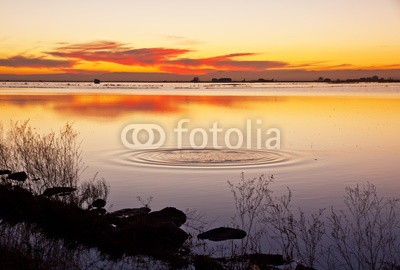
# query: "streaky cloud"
115, 52
93, 45
35, 62
165, 59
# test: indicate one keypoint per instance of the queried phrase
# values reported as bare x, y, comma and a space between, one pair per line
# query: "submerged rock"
60, 191
168, 214
222, 234
18, 176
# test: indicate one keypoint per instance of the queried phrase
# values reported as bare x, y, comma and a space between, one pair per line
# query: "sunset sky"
200, 38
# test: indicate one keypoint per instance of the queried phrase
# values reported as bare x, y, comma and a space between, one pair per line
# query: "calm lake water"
331, 136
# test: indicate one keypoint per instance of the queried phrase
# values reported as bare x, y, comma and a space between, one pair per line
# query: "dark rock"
156, 231
168, 214
18, 176
99, 203
2, 172
158, 235
303, 267
222, 233
170, 234
96, 81
203, 262
130, 212
60, 191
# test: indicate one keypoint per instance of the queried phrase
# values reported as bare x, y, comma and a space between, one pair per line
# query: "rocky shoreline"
125, 232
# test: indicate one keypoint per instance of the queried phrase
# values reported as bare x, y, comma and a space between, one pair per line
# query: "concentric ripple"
205, 158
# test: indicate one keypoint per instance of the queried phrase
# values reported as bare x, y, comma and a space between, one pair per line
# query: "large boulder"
168, 214
222, 234
156, 231
130, 212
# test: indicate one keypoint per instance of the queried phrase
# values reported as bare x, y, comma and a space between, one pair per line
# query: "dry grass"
363, 235
51, 160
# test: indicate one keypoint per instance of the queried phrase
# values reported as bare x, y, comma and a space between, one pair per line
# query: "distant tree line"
221, 80
364, 79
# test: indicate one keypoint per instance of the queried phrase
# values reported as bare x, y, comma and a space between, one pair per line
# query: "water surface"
331, 136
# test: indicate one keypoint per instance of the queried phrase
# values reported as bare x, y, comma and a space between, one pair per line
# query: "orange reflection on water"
109, 105
306, 122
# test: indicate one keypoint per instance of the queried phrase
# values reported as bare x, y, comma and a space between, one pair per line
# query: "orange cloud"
186, 70
224, 62
94, 45
114, 52
166, 59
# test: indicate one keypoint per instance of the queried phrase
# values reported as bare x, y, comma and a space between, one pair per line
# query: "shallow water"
330, 136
